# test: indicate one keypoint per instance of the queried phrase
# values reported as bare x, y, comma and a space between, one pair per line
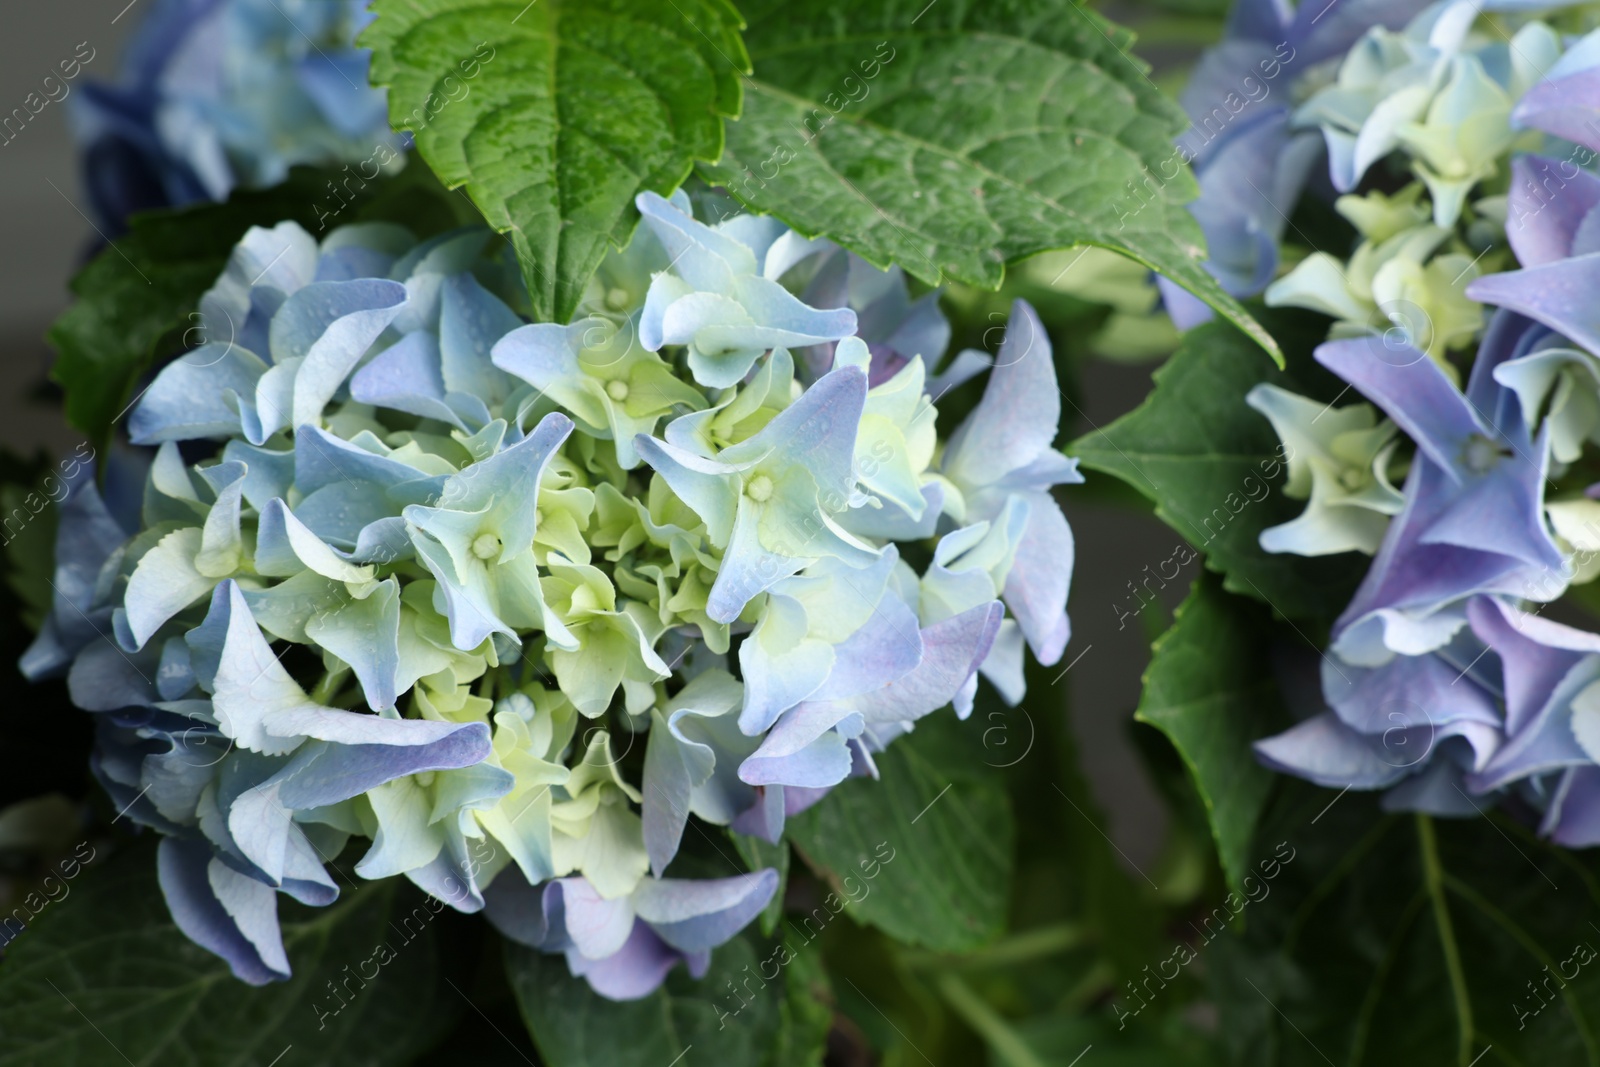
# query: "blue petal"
779, 665
105, 678
595, 927
164, 583
407, 377
341, 514
183, 867
1322, 31
1412, 390
1326, 751
251, 683
471, 320
1409, 579
1017, 418
196, 395
705, 259
1563, 106
1573, 818
1542, 223
884, 651
1422, 694
671, 771
322, 459
366, 635
765, 817
952, 651
1534, 655
1040, 579
1559, 294
330, 326
85, 539
519, 910
802, 749
697, 915
634, 971
747, 568
286, 546
701, 483
817, 431
336, 82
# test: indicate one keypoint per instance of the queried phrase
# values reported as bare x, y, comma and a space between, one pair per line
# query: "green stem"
1432, 876
977, 1013
1021, 948
1097, 980
328, 687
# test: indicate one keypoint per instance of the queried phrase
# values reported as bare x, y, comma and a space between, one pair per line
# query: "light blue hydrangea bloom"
425, 541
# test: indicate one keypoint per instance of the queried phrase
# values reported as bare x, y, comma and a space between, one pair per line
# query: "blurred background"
44, 228
46, 234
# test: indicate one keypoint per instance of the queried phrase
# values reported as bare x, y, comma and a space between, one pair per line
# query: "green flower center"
486, 546
1480, 454
616, 299
617, 389
759, 489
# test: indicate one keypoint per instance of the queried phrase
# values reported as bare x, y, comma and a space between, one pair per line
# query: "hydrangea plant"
612, 524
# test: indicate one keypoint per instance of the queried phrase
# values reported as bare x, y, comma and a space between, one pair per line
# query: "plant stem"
1020, 948
977, 1013
1432, 877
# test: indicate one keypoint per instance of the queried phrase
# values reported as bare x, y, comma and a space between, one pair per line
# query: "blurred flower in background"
218, 94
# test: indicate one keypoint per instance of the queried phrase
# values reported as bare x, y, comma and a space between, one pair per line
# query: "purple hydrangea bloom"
1473, 520
1250, 164
1440, 686
1511, 704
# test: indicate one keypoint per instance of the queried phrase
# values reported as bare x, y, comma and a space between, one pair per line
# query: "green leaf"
924, 853
1401, 940
1206, 691
1213, 468
953, 138
137, 300
760, 1004
104, 977
554, 115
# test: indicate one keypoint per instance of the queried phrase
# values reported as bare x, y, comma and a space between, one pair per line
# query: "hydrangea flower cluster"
1442, 684
513, 601
1252, 159
216, 94
1351, 82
